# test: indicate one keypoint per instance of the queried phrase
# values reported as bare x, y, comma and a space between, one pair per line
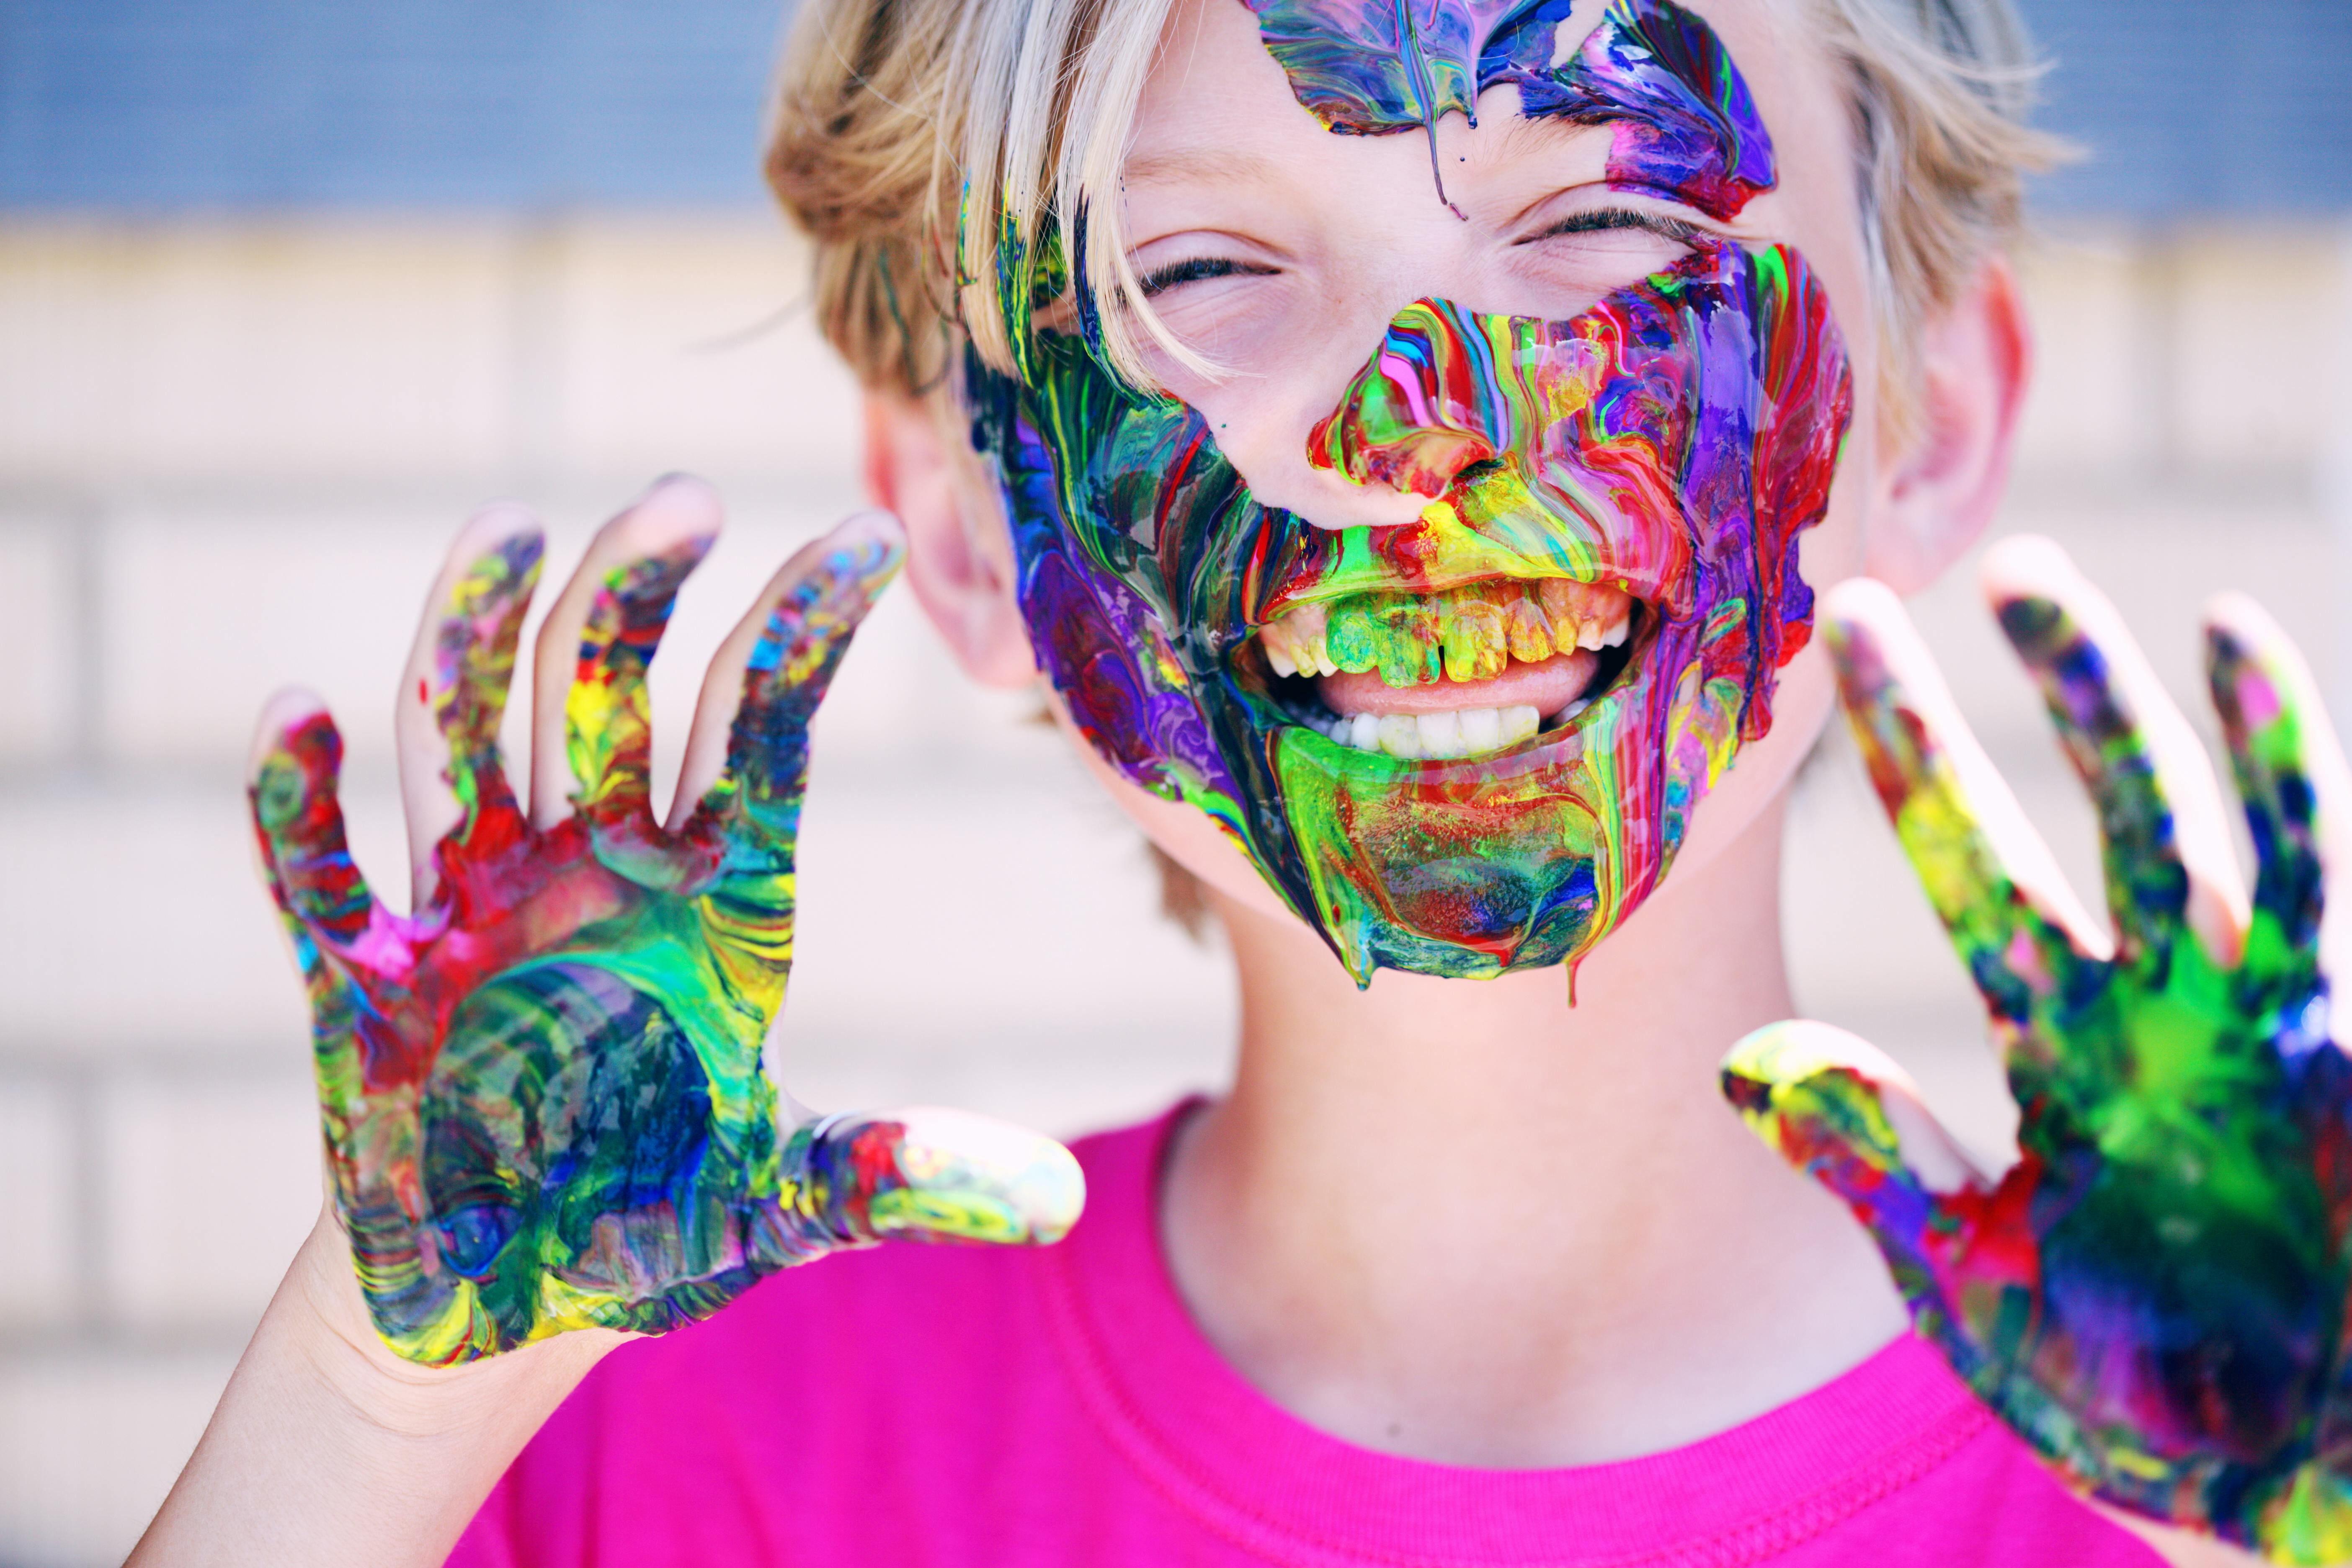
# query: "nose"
1422, 410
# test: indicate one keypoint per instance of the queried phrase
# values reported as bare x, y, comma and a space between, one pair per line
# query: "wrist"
323, 1315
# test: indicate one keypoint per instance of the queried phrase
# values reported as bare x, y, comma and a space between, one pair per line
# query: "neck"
1466, 1221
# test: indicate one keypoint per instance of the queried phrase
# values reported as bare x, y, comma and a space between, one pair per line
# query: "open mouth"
1467, 672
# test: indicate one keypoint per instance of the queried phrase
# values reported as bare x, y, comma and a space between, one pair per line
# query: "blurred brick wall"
230, 459
230, 456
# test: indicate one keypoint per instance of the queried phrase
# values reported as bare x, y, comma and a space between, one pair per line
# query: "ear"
959, 553
1943, 485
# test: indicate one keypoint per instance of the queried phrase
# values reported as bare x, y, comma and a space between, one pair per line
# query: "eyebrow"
1205, 164
1547, 133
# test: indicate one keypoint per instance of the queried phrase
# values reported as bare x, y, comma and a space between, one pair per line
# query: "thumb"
1840, 1109
923, 1173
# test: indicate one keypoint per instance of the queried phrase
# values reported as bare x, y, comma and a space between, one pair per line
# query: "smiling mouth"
1473, 670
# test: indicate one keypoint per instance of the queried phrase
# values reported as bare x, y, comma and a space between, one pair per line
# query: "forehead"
1685, 120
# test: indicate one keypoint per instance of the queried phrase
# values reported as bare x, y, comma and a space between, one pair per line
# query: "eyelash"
1603, 218
1198, 269
1201, 268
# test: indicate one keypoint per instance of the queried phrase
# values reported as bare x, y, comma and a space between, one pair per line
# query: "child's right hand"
541, 1092
2154, 1295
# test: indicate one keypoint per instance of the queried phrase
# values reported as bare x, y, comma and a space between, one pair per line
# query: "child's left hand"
2153, 1295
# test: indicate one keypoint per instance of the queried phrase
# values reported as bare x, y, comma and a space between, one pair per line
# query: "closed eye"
1600, 219
1198, 269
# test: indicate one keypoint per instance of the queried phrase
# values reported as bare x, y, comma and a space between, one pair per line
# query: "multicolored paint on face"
542, 1094
1670, 442
1683, 126
2155, 1294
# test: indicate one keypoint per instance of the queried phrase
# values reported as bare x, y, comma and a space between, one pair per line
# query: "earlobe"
959, 555
1943, 487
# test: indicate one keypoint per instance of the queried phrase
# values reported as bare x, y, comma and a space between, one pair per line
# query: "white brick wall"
306, 349
38, 586
90, 1439
207, 1187
340, 350
690, 346
229, 458
2086, 302
38, 1286
2251, 388
131, 924
2201, 352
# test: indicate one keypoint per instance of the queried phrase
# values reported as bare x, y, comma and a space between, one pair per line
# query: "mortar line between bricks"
35, 1346
63, 1066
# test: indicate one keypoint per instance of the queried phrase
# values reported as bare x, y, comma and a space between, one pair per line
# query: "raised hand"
2153, 1295
541, 1093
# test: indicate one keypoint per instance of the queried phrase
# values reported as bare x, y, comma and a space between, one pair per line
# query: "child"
1404, 438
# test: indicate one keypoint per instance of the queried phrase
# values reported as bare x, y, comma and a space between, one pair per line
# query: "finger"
591, 721
2161, 823
1836, 1105
923, 1173
2290, 771
2017, 925
453, 691
739, 844
1838, 1108
750, 726
341, 936
608, 715
292, 781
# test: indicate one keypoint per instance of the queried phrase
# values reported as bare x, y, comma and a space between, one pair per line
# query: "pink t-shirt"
971, 1406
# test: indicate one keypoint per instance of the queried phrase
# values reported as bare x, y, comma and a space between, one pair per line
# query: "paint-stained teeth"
1295, 644
1601, 614
1470, 633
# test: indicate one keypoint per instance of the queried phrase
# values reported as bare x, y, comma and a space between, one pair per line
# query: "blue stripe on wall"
170, 105
165, 105
2187, 107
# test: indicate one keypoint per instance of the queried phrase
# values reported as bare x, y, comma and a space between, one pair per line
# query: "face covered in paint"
1466, 739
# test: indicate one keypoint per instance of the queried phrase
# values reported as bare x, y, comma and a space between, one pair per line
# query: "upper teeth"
1468, 633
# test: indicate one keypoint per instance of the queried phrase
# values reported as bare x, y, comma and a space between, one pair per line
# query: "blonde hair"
938, 152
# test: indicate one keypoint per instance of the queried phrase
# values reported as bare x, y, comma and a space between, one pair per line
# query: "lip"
1348, 577
1288, 708
1439, 552
1546, 684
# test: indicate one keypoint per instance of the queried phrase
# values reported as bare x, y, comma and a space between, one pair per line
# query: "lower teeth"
1465, 732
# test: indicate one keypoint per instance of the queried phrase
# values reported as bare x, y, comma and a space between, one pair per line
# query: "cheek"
1835, 548
1263, 420
1805, 695
1804, 700
1761, 772
1184, 834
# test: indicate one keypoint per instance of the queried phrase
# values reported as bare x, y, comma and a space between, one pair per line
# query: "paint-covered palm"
542, 1093
2153, 1294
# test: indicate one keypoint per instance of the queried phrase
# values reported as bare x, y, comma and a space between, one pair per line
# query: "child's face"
1465, 582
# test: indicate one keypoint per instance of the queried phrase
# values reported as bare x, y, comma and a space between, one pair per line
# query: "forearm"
326, 1448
